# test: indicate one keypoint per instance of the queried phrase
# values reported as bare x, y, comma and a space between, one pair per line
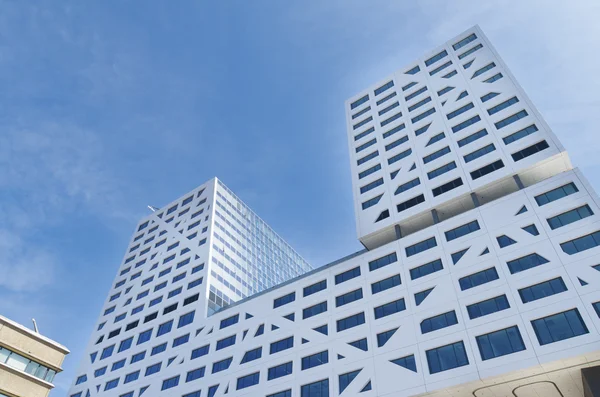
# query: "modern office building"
480, 275
28, 361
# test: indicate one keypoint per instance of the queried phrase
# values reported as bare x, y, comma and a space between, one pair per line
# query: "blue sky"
109, 106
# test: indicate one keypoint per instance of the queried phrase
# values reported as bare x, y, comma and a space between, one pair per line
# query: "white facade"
486, 289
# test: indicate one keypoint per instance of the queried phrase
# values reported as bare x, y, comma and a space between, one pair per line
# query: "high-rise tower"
480, 276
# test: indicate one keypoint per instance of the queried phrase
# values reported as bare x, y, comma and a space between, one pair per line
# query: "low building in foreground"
480, 277
28, 361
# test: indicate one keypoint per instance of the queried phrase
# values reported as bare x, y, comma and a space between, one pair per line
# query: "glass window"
221, 365
385, 284
350, 322
426, 269
569, 217
581, 244
447, 357
360, 344
383, 337
314, 310
346, 379
530, 151
479, 278
525, 262
466, 123
315, 360
281, 345
280, 370
349, 297
542, 290
225, 342
389, 308
195, 374
500, 343
488, 306
560, 326
347, 275
438, 322
316, 389
229, 321
314, 288
248, 380
284, 300
421, 246
462, 230
252, 355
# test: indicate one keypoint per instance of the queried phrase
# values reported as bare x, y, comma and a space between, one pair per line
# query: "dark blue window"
383, 261
470, 51
581, 244
488, 306
316, 389
391, 119
479, 278
457, 255
170, 383
315, 360
369, 171
383, 337
420, 296
560, 326
107, 352
511, 119
152, 369
284, 300
407, 362
281, 345
525, 262
569, 217
500, 343
419, 104
366, 145
385, 284
396, 143
221, 365
444, 90
280, 370
441, 170
520, 134
436, 155
314, 310
462, 230
199, 352
384, 87
530, 150
505, 241
99, 372
440, 68
117, 365
125, 344
371, 202
542, 290
464, 41
391, 132
389, 308
138, 357
347, 275
185, 319
487, 169
314, 288
159, 349
446, 187
195, 374
423, 115
285, 393
229, 321
446, 357
361, 112
248, 380
346, 379
164, 328
372, 185
408, 185
479, 153
386, 98
503, 105
252, 355
460, 110
359, 102
436, 58
414, 70
426, 269
322, 329
111, 384
350, 322
484, 69
421, 246
181, 340
416, 93
132, 377
555, 194
466, 123
399, 156
225, 342
471, 138
438, 322
360, 344
348, 297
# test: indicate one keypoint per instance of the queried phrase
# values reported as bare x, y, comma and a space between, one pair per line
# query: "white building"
481, 276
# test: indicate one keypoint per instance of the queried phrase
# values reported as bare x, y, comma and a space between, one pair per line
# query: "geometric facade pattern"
474, 282
452, 123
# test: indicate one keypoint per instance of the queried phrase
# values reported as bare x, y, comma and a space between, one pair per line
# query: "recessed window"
349, 297
350, 322
488, 306
347, 275
542, 290
248, 380
447, 357
315, 360
389, 308
479, 278
280, 370
284, 300
500, 343
281, 345
385, 284
438, 322
426, 269
560, 326
569, 217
